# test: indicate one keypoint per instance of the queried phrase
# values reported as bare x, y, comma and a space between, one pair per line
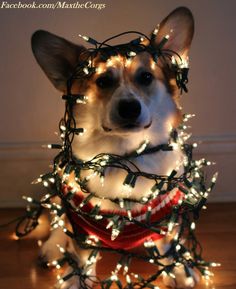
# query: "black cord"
67, 163
10, 222
28, 222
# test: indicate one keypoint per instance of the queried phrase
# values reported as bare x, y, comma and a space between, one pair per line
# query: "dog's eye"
145, 78
105, 81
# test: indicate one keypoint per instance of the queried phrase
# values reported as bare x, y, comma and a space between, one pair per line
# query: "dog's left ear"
179, 25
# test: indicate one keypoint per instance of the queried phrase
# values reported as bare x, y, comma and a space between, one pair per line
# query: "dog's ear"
179, 25
56, 56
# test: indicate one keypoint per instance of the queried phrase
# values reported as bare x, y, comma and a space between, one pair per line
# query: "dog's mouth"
127, 127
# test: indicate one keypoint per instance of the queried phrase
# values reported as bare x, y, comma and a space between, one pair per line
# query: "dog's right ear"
56, 56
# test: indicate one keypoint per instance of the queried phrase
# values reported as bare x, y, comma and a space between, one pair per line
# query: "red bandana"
132, 235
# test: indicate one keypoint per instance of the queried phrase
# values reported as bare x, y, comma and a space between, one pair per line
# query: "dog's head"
127, 101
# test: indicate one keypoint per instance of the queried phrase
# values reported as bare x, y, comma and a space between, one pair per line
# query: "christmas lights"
189, 189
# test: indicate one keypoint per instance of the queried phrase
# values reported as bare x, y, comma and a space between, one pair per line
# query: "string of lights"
191, 185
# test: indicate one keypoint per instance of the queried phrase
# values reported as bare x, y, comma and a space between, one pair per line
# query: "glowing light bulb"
126, 269
110, 224
129, 215
40, 243
213, 180
99, 70
118, 266
85, 70
187, 255
82, 100
173, 60
193, 226
170, 226
115, 233
61, 223
155, 31
213, 264
54, 263
128, 279
144, 199
109, 62
88, 273
86, 38
114, 277
164, 274
184, 63
102, 181
62, 127
60, 281
61, 249
28, 199
132, 53
142, 147
149, 244
45, 183
178, 247
121, 203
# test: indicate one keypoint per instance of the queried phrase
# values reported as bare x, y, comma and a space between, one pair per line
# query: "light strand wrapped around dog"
105, 230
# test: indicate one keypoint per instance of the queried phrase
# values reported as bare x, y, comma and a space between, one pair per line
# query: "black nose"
129, 109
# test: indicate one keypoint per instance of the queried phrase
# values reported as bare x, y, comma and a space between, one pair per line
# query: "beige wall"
30, 107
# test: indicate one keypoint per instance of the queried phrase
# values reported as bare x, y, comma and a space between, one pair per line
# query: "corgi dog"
126, 104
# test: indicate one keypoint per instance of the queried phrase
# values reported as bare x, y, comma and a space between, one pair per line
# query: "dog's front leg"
49, 250
178, 278
87, 267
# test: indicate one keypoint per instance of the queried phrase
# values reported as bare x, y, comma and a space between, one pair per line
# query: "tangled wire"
191, 183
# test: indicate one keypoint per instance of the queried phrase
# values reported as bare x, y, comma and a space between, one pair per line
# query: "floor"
18, 259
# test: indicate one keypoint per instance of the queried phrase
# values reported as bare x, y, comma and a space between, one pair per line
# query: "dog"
127, 103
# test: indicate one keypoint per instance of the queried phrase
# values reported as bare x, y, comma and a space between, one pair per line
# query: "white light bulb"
61, 223
114, 277
61, 249
128, 280
155, 31
85, 70
45, 183
84, 37
178, 247
142, 147
129, 215
132, 53
109, 224
115, 233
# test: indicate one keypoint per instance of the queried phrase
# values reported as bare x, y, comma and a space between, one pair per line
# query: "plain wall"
31, 108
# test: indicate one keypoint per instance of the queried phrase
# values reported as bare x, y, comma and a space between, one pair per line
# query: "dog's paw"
181, 281
73, 282
48, 253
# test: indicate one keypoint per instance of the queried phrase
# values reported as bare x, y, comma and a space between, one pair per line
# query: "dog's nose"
129, 109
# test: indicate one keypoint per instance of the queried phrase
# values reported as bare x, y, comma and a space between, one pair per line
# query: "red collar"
132, 235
